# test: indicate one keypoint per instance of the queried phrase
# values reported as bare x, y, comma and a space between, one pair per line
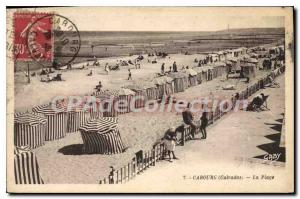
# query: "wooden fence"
149, 158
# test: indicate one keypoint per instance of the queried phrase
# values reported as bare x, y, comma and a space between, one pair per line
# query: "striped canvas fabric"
76, 119
139, 103
152, 93
121, 94
101, 136
169, 88
181, 81
76, 116
106, 143
193, 80
139, 92
56, 121
26, 168
29, 129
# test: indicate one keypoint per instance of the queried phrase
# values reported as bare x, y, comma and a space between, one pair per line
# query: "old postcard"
150, 100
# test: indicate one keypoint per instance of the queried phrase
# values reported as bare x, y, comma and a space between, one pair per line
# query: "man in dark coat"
188, 118
175, 67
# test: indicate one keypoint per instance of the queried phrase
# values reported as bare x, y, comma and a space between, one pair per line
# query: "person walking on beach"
170, 142
163, 68
106, 68
204, 123
175, 67
188, 119
129, 75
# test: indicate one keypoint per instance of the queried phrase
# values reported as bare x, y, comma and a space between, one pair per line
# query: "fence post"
183, 137
129, 173
134, 167
154, 156
111, 176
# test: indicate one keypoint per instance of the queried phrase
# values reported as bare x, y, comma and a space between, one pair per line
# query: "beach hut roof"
114, 93
197, 69
48, 109
220, 63
248, 65
29, 118
178, 75
190, 72
250, 60
101, 125
253, 54
221, 52
162, 80
232, 59
124, 91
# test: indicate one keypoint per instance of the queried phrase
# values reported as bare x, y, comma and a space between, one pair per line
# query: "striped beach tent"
192, 76
200, 75
165, 85
181, 81
77, 116
101, 136
56, 121
169, 86
125, 95
29, 129
160, 85
219, 69
149, 87
26, 168
105, 99
140, 94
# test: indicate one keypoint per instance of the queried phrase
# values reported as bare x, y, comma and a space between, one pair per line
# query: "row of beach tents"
98, 128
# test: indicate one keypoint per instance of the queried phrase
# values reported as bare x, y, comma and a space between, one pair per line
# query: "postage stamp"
42, 37
33, 36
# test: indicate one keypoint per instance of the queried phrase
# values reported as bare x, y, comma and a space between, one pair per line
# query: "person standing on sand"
163, 68
188, 119
129, 75
204, 123
106, 68
175, 67
170, 142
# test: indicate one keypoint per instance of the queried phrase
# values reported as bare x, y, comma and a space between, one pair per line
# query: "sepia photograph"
150, 99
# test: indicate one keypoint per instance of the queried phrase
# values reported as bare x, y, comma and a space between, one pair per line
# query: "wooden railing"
151, 157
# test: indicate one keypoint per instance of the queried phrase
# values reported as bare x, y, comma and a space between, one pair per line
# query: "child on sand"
129, 75
106, 68
170, 142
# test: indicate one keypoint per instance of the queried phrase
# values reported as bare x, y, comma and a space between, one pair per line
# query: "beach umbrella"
101, 136
29, 129
56, 120
26, 167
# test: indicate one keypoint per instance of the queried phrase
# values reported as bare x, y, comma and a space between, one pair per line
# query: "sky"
171, 18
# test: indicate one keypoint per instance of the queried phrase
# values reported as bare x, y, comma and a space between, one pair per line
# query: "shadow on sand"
77, 149
273, 147
74, 149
